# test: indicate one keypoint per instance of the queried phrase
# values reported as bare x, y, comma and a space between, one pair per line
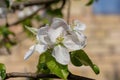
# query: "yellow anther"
59, 39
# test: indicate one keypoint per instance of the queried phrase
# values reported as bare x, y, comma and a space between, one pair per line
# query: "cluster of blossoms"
61, 38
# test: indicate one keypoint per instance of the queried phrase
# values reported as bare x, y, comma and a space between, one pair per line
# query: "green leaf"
33, 30
75, 60
83, 58
42, 66
37, 17
27, 22
96, 69
2, 71
56, 68
5, 31
90, 2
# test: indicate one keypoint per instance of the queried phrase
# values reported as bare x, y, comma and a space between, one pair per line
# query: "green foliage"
4, 31
82, 58
33, 30
27, 22
90, 2
7, 3
48, 63
2, 71
6, 40
37, 17
75, 60
42, 66
56, 68
55, 12
96, 69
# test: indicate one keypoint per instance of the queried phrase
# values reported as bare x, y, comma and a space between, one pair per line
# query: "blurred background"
102, 19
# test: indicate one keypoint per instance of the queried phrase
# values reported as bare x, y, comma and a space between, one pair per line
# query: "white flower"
60, 37
56, 34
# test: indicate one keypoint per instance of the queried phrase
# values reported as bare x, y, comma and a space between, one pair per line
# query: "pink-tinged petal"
29, 52
61, 55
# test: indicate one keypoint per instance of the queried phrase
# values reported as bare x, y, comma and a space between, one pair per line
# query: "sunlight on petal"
29, 52
61, 55
54, 33
40, 48
70, 44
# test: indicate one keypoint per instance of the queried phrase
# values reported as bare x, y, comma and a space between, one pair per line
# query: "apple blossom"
61, 38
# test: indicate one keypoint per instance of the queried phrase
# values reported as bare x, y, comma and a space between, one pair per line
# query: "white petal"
79, 26
40, 48
59, 22
70, 44
42, 33
43, 30
82, 39
61, 55
29, 52
55, 33
41, 39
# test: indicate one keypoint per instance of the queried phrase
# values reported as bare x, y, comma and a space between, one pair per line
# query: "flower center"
59, 39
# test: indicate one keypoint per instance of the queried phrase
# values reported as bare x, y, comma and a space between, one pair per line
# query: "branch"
45, 2
21, 20
63, 4
35, 75
17, 5
68, 11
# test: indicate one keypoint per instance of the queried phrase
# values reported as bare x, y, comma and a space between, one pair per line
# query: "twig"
36, 76
63, 4
41, 2
17, 5
68, 12
21, 20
